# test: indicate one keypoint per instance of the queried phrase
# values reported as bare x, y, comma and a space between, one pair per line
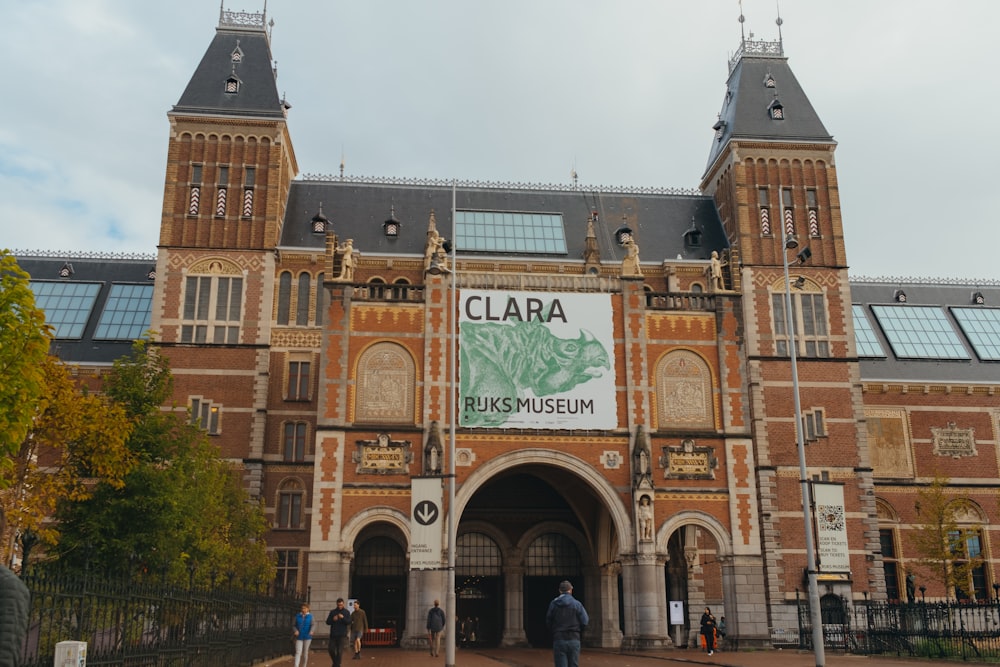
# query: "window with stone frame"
213, 304
286, 577
205, 414
298, 381
809, 321
291, 496
302, 303
284, 297
293, 448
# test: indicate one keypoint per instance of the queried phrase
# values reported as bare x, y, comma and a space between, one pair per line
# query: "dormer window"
720, 129
769, 81
776, 111
232, 85
237, 55
319, 222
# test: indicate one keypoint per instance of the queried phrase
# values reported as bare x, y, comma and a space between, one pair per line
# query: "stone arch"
372, 515
385, 380
575, 536
885, 511
697, 518
620, 516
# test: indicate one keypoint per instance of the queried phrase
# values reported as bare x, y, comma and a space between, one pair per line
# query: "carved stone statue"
432, 450
346, 251
630, 265
641, 463
645, 517
715, 272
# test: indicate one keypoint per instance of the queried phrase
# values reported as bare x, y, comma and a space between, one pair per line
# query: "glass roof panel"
864, 335
499, 231
982, 327
67, 305
919, 332
127, 313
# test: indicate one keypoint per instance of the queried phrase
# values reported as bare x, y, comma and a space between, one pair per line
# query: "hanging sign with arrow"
426, 523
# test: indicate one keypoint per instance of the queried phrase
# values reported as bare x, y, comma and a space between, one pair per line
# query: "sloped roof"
357, 208
257, 89
745, 108
945, 296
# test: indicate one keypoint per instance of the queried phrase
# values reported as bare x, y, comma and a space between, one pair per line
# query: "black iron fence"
146, 625
943, 630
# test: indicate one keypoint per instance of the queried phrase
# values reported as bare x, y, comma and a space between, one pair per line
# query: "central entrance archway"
525, 526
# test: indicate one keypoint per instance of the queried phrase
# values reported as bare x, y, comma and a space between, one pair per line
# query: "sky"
624, 92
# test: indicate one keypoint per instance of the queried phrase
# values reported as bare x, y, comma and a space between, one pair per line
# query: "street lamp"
815, 616
450, 604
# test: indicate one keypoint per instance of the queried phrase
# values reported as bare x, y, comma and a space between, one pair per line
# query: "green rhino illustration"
500, 362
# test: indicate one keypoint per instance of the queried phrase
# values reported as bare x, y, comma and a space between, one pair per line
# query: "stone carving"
346, 252
645, 518
889, 443
715, 275
953, 441
641, 463
630, 265
432, 450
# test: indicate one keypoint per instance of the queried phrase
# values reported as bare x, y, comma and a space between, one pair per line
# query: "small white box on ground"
71, 654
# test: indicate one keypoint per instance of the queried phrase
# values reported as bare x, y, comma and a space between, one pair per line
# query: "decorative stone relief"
684, 391
689, 461
385, 385
889, 443
953, 441
383, 456
464, 456
611, 460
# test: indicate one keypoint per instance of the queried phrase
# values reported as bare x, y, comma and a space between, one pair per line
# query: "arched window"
302, 306
213, 303
284, 296
684, 392
808, 319
322, 300
291, 494
400, 289
552, 554
376, 288
379, 557
478, 555
385, 379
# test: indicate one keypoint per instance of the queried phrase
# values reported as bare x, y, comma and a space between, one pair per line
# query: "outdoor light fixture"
815, 614
799, 283
319, 221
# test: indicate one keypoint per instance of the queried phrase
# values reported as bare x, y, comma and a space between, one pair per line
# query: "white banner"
426, 523
536, 360
831, 528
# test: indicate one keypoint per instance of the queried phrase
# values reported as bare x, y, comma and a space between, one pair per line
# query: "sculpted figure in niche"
645, 519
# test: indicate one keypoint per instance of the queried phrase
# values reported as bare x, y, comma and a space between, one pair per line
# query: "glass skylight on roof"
864, 335
982, 327
499, 231
919, 332
127, 313
67, 306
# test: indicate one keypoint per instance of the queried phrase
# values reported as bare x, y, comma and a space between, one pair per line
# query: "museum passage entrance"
378, 580
520, 535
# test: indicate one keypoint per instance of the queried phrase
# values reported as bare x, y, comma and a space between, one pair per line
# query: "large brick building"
619, 360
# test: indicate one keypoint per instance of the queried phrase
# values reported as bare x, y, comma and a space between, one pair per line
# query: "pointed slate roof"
745, 108
240, 51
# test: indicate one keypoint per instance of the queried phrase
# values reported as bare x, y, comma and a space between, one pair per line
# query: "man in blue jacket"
566, 619
339, 620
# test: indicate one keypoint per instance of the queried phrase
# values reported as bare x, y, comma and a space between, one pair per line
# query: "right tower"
772, 173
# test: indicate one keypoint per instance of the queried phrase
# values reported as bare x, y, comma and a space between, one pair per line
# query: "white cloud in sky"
623, 91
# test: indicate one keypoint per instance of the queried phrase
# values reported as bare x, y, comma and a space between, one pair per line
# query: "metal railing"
147, 625
941, 630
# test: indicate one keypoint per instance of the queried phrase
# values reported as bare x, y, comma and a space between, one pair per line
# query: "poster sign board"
426, 523
536, 360
831, 529
676, 612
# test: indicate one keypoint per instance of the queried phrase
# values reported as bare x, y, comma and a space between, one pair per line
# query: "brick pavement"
394, 657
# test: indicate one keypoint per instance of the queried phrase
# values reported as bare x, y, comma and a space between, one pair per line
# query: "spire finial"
778, 20
742, 19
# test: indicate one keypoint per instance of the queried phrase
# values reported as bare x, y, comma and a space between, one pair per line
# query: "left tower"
230, 164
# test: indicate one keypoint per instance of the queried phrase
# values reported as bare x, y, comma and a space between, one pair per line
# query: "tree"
181, 514
75, 439
24, 344
940, 542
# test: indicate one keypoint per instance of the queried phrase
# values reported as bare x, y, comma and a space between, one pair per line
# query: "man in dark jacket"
566, 619
435, 626
339, 620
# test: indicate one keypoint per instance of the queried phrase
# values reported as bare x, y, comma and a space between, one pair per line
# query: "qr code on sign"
831, 517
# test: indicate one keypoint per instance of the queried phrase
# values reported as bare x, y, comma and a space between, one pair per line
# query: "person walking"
339, 620
566, 619
708, 630
722, 632
359, 626
435, 626
303, 635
